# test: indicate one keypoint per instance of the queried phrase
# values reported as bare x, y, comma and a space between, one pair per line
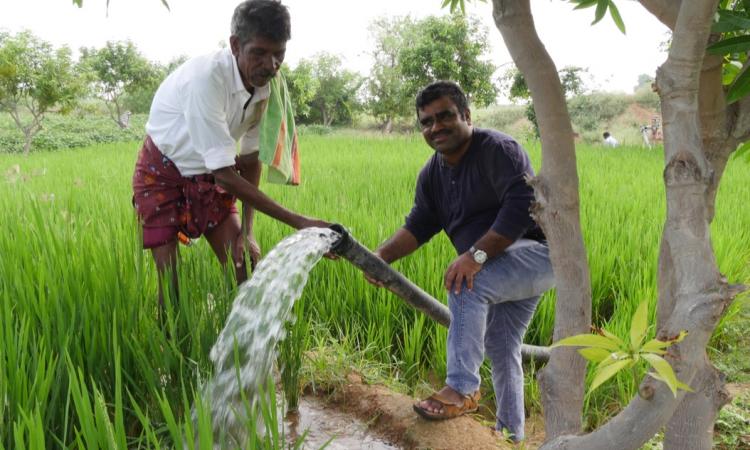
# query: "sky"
193, 27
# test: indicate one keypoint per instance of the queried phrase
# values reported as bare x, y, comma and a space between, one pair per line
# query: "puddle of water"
323, 423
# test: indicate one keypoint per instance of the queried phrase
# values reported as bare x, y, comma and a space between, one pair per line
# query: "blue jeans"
492, 318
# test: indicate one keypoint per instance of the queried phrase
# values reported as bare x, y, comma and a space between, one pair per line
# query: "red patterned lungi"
168, 203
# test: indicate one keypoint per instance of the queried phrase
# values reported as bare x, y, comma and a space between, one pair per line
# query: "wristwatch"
480, 256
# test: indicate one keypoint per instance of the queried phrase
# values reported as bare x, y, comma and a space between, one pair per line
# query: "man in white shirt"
188, 175
609, 140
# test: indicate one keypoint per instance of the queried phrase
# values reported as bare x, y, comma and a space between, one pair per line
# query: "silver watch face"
480, 256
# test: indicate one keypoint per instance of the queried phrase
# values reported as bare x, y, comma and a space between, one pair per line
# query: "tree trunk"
388, 126
690, 279
557, 211
691, 427
27, 143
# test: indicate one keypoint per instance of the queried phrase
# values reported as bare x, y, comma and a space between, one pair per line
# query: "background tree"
337, 98
34, 79
303, 87
449, 48
120, 69
389, 96
139, 98
571, 79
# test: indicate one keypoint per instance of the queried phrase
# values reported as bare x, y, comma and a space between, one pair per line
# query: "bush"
316, 130
589, 112
499, 117
70, 131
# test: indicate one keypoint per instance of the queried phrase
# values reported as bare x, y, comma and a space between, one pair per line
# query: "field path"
390, 416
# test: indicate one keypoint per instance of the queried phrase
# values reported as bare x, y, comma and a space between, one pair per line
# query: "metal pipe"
376, 268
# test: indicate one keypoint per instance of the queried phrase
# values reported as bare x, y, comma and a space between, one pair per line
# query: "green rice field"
85, 363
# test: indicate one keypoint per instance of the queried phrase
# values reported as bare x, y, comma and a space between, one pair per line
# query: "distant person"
188, 174
474, 188
609, 140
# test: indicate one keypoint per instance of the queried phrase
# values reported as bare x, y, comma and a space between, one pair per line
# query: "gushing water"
255, 325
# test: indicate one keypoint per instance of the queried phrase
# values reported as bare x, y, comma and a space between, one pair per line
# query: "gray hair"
267, 18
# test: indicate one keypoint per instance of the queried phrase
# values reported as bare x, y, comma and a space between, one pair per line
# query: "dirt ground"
390, 416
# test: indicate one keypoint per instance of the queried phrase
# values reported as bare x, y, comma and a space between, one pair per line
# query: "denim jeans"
492, 318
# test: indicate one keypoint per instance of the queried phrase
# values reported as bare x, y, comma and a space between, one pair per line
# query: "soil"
391, 417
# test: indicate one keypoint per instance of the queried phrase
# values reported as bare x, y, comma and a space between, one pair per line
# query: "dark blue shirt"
485, 190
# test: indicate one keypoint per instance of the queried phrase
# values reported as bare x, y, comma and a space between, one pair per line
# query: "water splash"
256, 324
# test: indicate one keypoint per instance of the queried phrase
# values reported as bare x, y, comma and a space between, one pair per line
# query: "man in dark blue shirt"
474, 187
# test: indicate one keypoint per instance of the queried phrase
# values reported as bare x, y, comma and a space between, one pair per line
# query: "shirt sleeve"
205, 115
508, 169
422, 220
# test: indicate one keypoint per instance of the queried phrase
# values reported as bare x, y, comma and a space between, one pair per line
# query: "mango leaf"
657, 344
613, 337
616, 17
587, 340
607, 372
680, 384
613, 358
730, 21
737, 44
664, 370
639, 325
742, 151
585, 3
730, 70
601, 9
594, 354
741, 86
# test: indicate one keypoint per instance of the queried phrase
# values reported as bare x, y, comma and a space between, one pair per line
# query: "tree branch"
664, 10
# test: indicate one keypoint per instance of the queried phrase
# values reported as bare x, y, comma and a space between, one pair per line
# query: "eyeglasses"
443, 117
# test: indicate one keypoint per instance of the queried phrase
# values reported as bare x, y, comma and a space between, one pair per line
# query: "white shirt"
196, 116
610, 141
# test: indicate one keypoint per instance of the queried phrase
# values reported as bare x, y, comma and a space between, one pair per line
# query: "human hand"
463, 268
251, 245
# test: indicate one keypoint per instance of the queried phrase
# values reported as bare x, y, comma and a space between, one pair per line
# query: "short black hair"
441, 88
267, 18
605, 134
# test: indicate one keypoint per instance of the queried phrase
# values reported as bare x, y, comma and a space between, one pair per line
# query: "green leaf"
607, 372
655, 346
738, 44
601, 9
613, 337
594, 354
730, 21
740, 87
680, 384
587, 340
742, 150
639, 325
613, 358
616, 17
663, 369
582, 4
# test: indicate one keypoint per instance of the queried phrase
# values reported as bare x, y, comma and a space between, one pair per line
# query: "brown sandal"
469, 404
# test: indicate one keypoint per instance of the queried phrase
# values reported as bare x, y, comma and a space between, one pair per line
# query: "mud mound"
390, 415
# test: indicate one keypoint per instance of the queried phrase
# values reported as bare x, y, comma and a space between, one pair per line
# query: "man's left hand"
252, 247
463, 268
